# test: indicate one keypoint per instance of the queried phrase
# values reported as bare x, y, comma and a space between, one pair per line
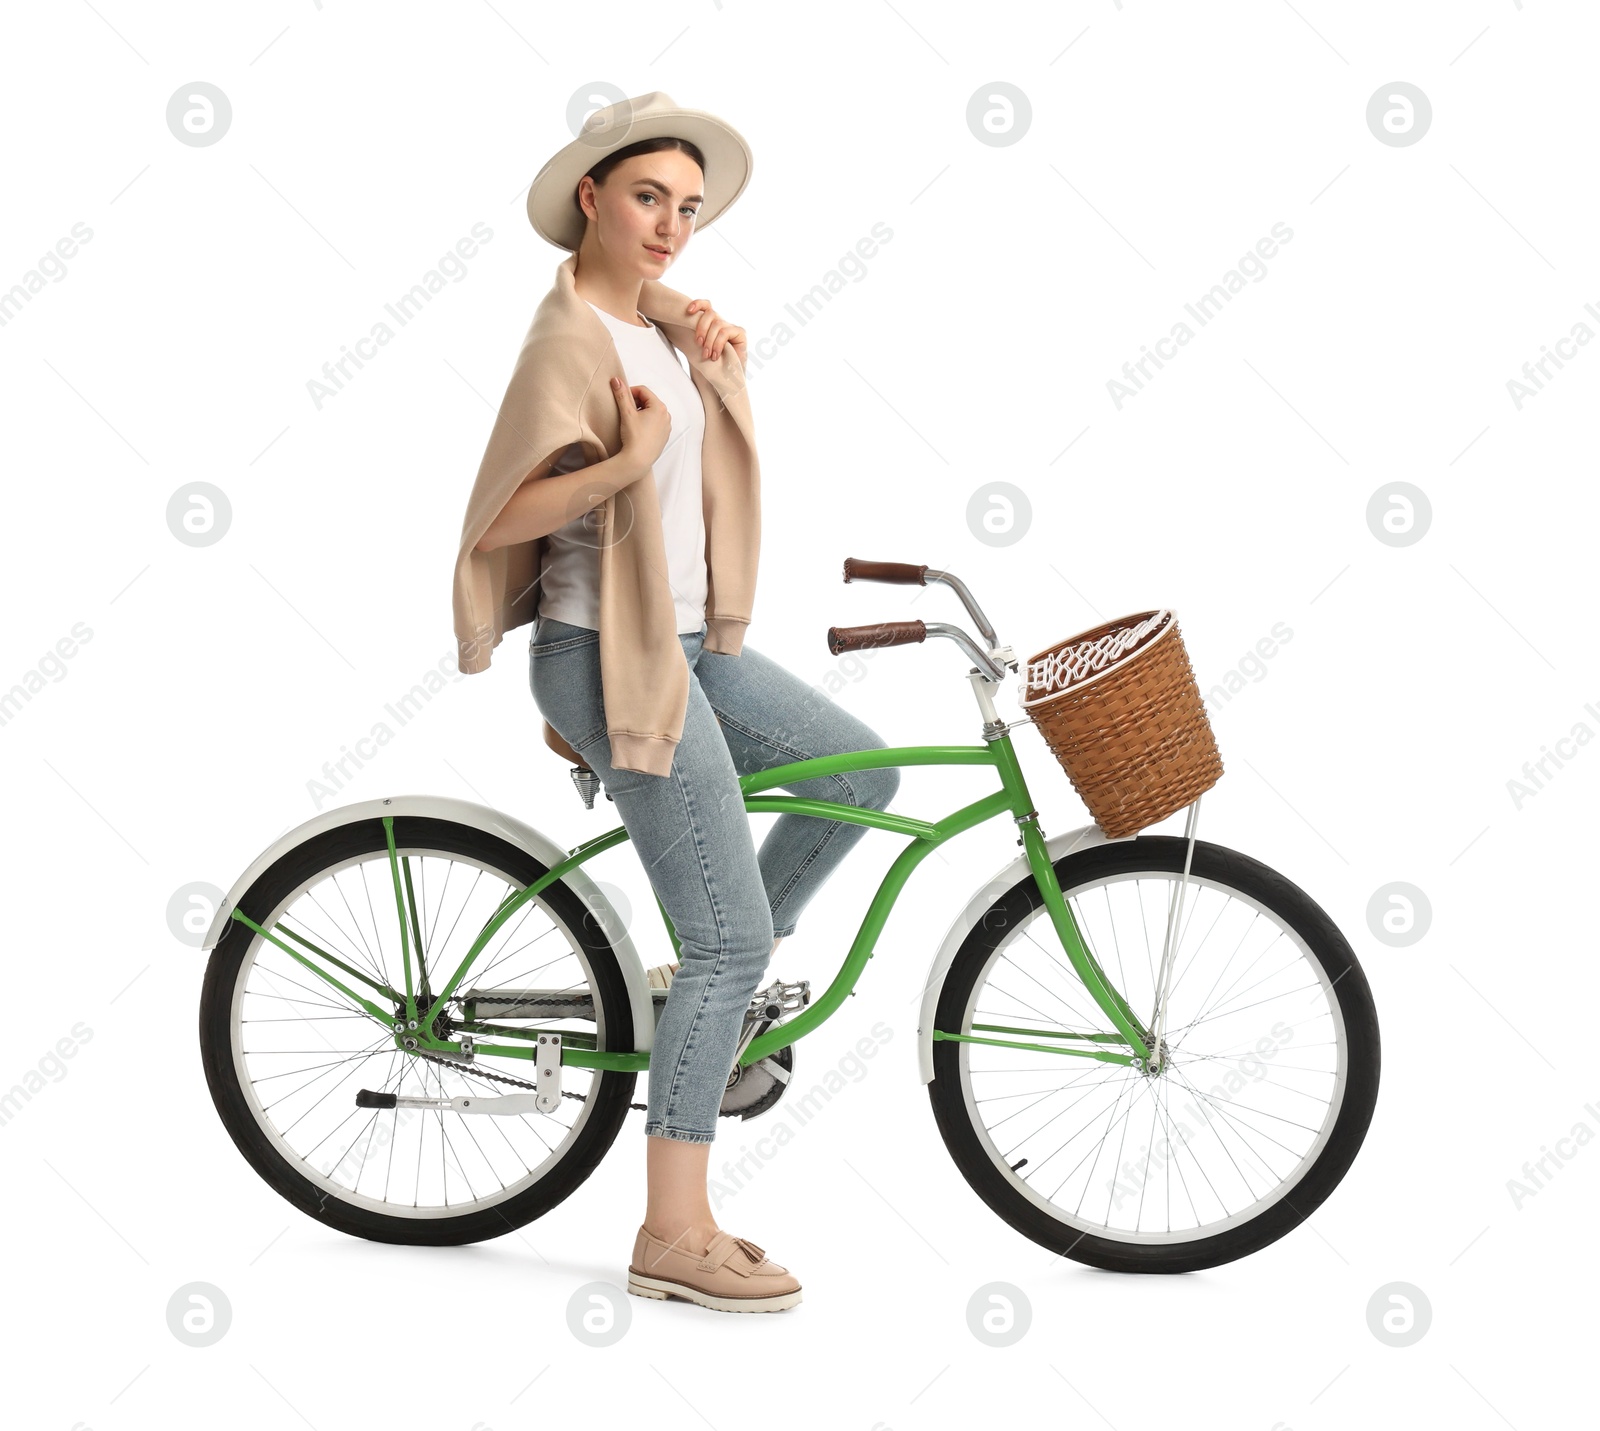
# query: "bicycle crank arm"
767, 1006
504, 1105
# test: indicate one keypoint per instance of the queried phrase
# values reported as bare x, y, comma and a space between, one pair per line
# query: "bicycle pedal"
779, 998
767, 1006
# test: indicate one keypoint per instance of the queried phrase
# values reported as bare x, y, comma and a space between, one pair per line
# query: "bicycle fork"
1145, 1039
1127, 1024
1129, 1030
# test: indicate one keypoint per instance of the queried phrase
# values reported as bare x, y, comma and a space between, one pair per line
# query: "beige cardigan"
560, 393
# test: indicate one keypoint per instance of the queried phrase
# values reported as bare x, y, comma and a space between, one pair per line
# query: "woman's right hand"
646, 424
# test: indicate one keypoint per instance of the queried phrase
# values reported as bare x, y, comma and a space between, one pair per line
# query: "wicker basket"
1120, 707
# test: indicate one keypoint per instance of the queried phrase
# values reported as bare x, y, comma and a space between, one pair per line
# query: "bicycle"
398, 932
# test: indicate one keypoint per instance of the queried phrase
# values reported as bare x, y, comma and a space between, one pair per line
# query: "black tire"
973, 1152
609, 1094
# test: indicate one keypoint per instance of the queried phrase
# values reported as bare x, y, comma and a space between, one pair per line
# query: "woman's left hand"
712, 332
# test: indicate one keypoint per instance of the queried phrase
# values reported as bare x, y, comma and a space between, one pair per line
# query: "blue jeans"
726, 901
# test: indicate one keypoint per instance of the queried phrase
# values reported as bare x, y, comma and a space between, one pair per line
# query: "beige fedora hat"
551, 207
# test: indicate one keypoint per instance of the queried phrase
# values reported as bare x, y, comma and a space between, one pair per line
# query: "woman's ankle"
689, 1235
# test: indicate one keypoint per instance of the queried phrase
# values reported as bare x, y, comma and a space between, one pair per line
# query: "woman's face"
644, 212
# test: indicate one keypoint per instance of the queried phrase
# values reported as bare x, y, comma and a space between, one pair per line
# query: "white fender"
495, 822
1056, 846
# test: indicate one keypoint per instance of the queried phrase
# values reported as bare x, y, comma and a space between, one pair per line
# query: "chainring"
756, 1087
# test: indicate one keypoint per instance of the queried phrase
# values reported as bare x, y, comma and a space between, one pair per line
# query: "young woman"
629, 210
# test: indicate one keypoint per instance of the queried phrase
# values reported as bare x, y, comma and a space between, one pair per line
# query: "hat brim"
557, 219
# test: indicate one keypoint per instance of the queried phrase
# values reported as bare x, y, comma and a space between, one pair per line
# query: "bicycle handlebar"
899, 633
900, 572
882, 633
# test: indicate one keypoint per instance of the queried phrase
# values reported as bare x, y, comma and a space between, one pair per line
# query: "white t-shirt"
570, 586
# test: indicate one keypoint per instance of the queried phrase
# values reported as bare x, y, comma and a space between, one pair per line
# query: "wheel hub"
410, 1032
1158, 1062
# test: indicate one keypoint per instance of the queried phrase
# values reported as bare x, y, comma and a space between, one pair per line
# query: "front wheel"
1243, 1129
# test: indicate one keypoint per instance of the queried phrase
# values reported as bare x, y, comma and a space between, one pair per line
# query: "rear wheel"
285, 1052
1249, 1123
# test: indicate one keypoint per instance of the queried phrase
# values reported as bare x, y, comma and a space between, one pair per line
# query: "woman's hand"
712, 332
646, 424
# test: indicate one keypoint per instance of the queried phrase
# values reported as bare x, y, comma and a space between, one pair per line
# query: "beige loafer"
731, 1275
660, 977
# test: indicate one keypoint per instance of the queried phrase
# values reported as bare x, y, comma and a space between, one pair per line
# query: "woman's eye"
686, 211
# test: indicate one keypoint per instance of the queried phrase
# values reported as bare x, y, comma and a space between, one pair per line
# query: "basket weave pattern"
1120, 708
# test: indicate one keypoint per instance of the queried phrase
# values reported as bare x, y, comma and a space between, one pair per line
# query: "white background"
1375, 746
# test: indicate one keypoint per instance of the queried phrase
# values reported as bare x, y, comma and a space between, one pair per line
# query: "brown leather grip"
883, 633
900, 572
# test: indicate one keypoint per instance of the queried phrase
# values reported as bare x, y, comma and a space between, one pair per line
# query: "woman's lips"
655, 252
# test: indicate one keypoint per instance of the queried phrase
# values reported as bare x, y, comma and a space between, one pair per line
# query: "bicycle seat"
553, 739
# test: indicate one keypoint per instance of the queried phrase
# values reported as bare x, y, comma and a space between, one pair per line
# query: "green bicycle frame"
423, 1007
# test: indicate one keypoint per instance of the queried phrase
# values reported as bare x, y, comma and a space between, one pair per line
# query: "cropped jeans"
727, 901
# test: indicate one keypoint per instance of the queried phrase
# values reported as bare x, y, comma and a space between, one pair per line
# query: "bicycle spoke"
1263, 1166
366, 949
315, 1003
1030, 1107
1043, 1017
294, 1072
313, 1109
1259, 957
371, 1125
294, 982
1194, 958
1065, 968
1273, 998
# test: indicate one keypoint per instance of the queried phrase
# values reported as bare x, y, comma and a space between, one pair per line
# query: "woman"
659, 524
